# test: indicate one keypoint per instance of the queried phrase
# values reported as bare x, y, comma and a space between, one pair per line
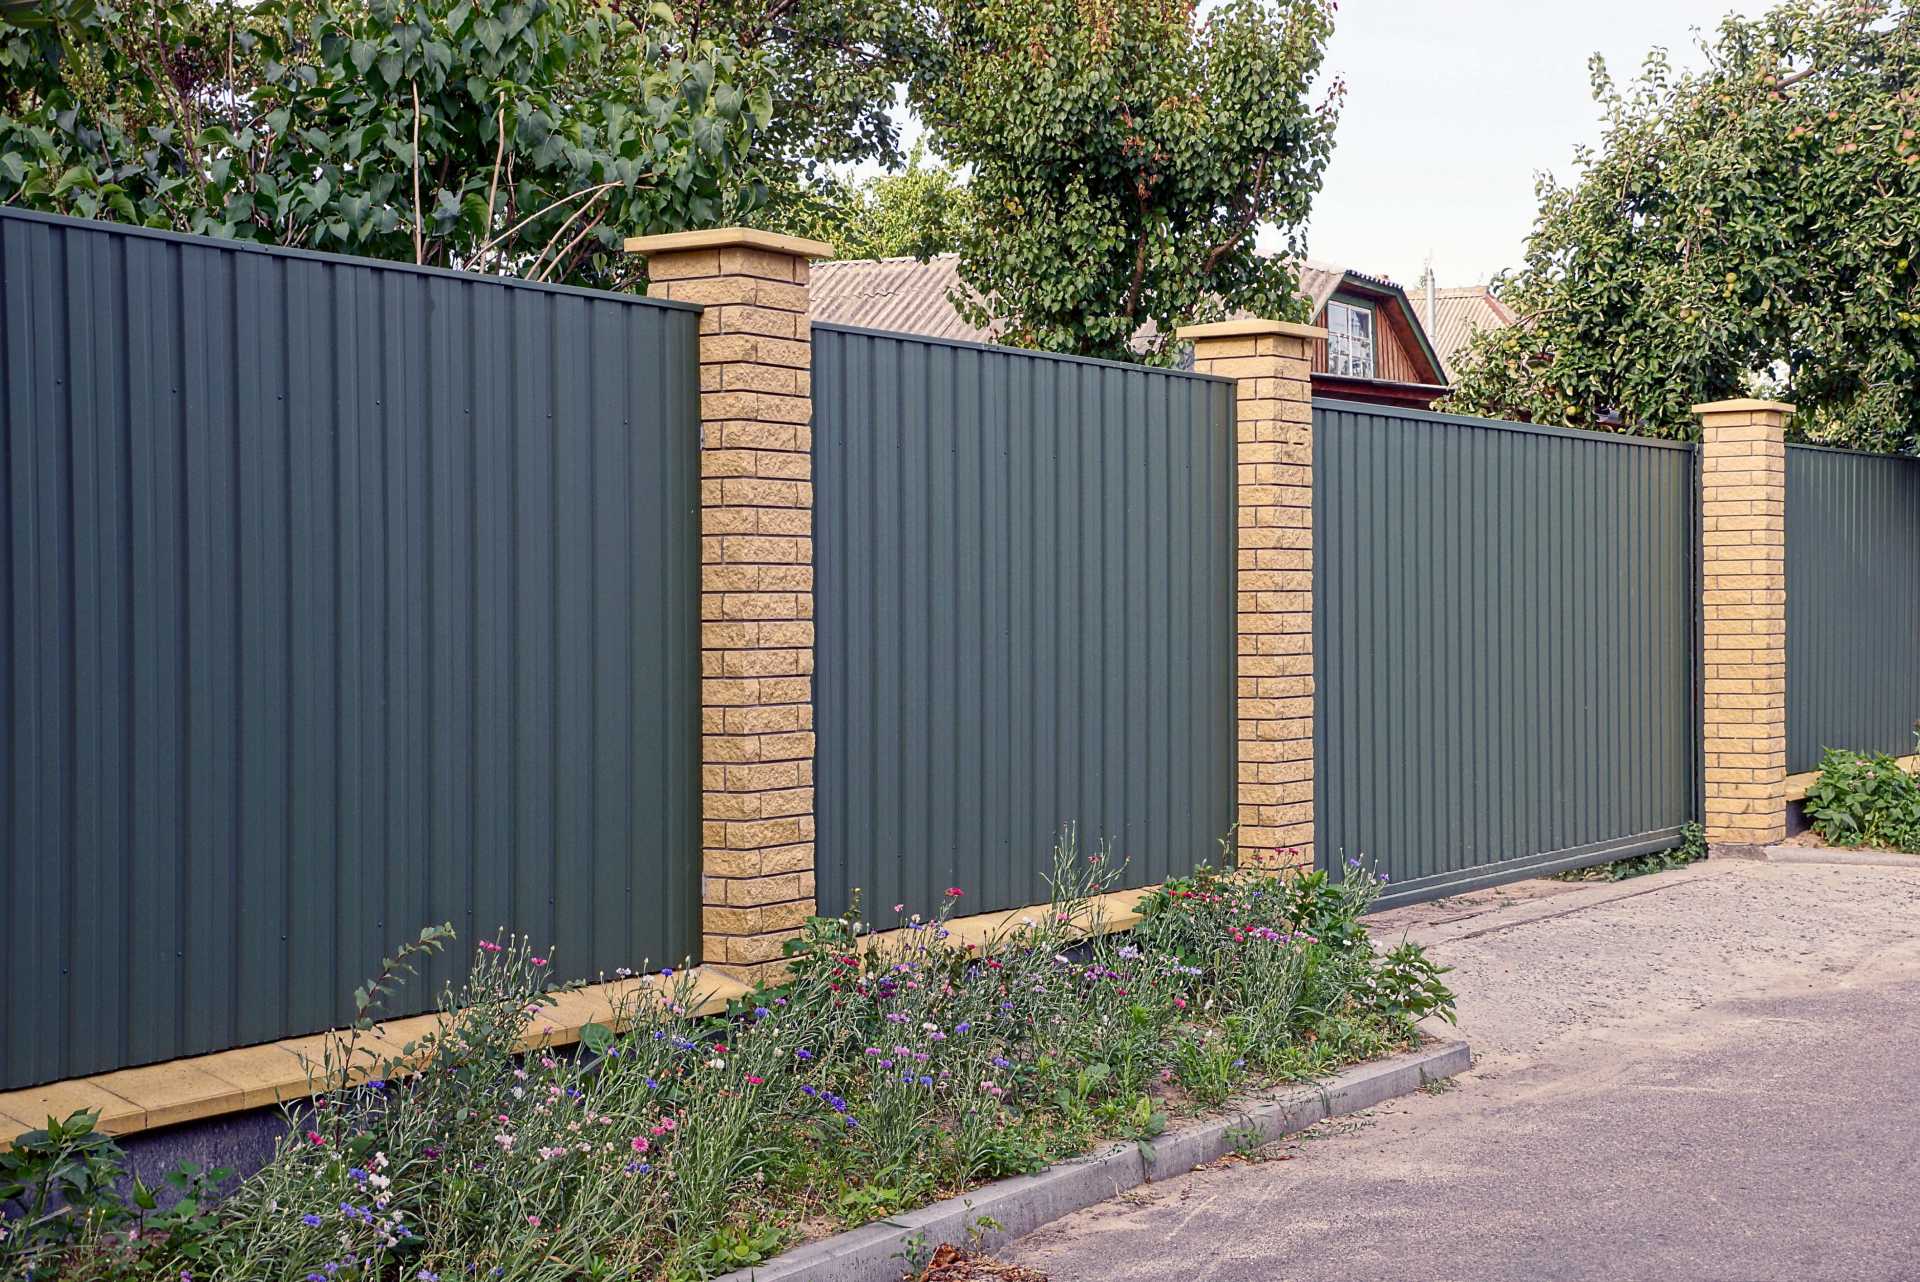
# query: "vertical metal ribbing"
1505, 641
281, 604
1045, 537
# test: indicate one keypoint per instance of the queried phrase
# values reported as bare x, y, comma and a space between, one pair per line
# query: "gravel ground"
1707, 1073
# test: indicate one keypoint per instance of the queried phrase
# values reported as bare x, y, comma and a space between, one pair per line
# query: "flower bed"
882, 1076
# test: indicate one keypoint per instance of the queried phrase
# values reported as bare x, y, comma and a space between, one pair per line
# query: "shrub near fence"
340, 598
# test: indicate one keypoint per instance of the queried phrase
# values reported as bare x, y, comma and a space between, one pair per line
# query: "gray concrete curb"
1826, 855
876, 1252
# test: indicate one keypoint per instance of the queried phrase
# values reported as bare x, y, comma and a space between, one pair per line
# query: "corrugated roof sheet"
1459, 313
911, 297
900, 294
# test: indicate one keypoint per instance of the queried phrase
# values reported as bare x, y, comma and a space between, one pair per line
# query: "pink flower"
755, 1081
315, 1137
954, 892
641, 1144
488, 946
537, 961
534, 1220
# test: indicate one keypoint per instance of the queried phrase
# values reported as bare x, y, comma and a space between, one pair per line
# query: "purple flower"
803, 1053
761, 1012
311, 1220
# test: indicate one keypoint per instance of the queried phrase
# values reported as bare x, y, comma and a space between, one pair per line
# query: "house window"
1349, 340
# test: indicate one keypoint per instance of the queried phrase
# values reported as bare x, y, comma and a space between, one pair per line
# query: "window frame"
1342, 360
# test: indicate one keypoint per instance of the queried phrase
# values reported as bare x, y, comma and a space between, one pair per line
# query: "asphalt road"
1712, 1073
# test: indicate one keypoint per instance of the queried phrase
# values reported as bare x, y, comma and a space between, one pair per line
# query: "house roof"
912, 297
1458, 314
1318, 281
902, 294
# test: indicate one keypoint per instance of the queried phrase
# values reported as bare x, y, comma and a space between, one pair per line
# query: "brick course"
1271, 365
756, 604
1743, 594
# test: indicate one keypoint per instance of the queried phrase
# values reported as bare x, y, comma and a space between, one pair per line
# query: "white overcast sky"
1454, 105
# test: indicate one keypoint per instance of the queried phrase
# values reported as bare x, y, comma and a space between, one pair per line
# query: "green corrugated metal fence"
1025, 617
340, 598
1504, 645
1853, 603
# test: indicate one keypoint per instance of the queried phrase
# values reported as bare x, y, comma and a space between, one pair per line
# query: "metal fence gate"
1853, 603
1504, 640
1025, 591
336, 598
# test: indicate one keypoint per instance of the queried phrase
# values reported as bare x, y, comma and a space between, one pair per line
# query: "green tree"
1121, 155
832, 69
917, 213
1747, 228
518, 136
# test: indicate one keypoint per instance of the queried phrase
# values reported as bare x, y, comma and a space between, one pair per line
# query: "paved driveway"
1712, 1073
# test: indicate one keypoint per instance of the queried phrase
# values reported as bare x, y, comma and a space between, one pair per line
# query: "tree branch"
419, 255
1253, 211
499, 151
1140, 253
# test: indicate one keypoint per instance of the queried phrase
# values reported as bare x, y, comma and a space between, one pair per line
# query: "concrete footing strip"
1829, 855
878, 1251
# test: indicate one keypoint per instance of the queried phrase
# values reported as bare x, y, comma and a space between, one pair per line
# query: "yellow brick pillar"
1271, 363
756, 604
1743, 594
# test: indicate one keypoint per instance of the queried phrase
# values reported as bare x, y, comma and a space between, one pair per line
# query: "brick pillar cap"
1247, 329
729, 238
1742, 405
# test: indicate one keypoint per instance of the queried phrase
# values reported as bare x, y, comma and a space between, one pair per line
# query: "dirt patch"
1813, 840
1472, 903
951, 1264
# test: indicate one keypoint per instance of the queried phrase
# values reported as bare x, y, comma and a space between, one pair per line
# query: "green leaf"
77, 176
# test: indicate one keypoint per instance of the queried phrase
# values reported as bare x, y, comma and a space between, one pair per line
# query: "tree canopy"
1121, 155
525, 136
1111, 159
1749, 228
916, 213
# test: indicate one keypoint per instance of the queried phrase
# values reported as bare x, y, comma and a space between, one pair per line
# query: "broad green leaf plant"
524, 137
1121, 157
1750, 228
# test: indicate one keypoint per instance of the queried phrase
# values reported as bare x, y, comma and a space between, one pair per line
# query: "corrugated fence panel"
340, 598
1025, 583
1853, 603
1503, 644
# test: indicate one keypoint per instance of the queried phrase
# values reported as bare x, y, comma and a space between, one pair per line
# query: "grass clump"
1693, 846
884, 1073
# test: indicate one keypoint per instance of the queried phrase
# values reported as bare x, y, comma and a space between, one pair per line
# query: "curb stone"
876, 1252
1829, 855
